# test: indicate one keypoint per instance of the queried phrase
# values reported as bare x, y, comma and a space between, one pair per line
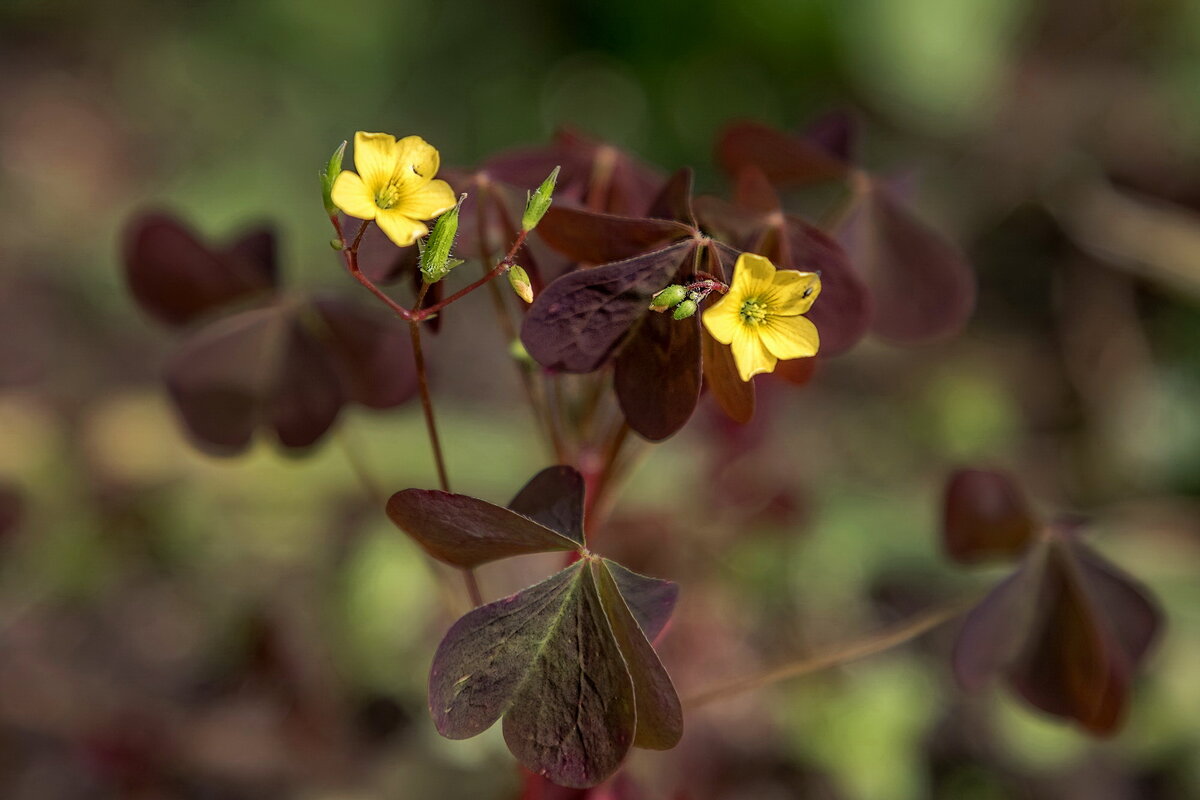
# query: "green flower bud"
518, 279
670, 296
328, 176
435, 257
685, 309
538, 203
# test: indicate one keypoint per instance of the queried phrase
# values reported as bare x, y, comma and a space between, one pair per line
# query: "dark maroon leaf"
753, 192
546, 659
554, 498
995, 628
581, 319
306, 394
675, 199
659, 718
836, 133
650, 600
573, 718
219, 378
985, 516
176, 278
371, 351
1068, 629
1133, 618
1068, 667
657, 376
785, 159
485, 656
467, 532
595, 238
732, 394
923, 286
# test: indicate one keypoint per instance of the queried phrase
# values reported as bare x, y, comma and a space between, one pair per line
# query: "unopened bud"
537, 203
518, 279
685, 309
670, 296
435, 257
328, 176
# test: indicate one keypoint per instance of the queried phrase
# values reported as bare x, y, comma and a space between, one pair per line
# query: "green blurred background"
173, 625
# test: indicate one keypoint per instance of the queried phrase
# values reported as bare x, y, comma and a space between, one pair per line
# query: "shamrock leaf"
546, 515
176, 278
568, 663
985, 515
288, 368
1068, 630
567, 666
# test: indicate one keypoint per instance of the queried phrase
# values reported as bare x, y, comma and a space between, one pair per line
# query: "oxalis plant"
632, 299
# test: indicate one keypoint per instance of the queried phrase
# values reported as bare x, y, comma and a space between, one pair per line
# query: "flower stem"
878, 642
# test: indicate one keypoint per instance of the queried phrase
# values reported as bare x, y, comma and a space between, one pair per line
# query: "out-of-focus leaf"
785, 159
994, 629
554, 498
675, 199
1068, 666
732, 394
176, 278
306, 395
220, 377
836, 133
372, 353
923, 286
659, 715
596, 238
1069, 631
985, 516
580, 320
657, 375
466, 532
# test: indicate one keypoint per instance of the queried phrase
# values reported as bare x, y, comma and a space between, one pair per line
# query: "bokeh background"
178, 626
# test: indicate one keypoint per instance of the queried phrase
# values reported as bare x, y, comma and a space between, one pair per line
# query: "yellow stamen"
753, 311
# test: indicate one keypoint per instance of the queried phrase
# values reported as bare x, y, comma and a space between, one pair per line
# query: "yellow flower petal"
351, 195
752, 276
749, 353
429, 201
417, 161
789, 337
722, 318
793, 292
375, 157
400, 229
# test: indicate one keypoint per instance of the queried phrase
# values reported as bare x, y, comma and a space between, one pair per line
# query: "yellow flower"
394, 185
759, 318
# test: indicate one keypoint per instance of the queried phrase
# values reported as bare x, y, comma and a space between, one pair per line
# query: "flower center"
753, 311
388, 196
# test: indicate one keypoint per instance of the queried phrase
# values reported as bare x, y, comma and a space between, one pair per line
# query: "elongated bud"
538, 203
671, 296
685, 309
329, 175
518, 279
435, 257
